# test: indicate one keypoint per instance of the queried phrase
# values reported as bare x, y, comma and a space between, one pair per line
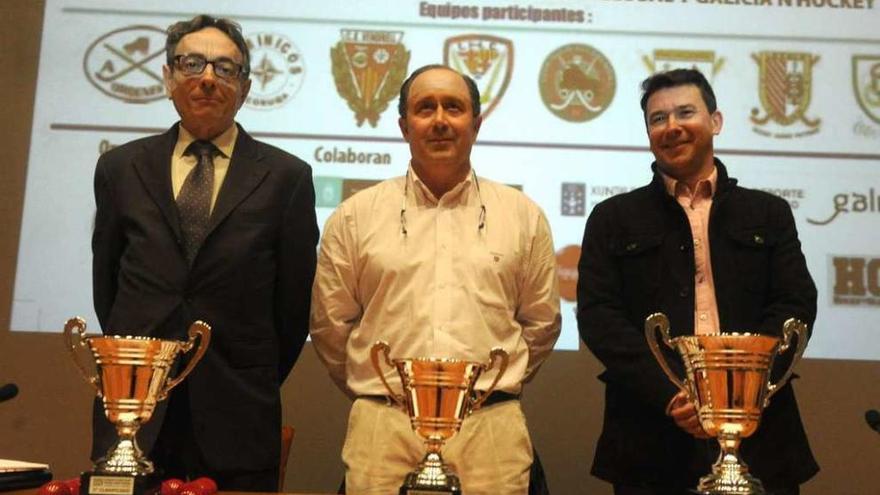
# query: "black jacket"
637, 258
251, 281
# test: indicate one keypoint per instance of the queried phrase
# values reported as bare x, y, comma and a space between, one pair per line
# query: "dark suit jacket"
637, 259
251, 281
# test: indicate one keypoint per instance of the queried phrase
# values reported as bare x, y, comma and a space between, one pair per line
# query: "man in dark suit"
203, 222
711, 255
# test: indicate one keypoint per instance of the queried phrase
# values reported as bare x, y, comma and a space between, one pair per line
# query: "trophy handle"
791, 326
78, 324
659, 321
198, 329
382, 346
494, 355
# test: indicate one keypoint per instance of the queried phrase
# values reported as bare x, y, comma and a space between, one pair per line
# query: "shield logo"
785, 87
866, 84
664, 60
488, 60
368, 68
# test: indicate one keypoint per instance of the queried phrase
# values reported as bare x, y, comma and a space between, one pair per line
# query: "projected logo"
368, 68
567, 262
663, 60
574, 199
854, 202
330, 191
488, 60
856, 280
577, 83
866, 84
785, 89
277, 71
127, 64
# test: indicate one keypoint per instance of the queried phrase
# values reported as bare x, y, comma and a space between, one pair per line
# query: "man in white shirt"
438, 263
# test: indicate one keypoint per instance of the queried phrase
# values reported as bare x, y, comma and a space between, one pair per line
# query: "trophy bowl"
727, 377
132, 377
438, 393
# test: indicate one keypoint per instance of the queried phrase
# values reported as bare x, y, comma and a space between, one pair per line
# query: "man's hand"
684, 414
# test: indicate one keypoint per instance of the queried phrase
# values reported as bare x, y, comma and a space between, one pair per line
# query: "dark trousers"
636, 490
177, 454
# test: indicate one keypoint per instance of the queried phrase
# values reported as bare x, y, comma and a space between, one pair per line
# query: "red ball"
208, 485
55, 487
191, 488
171, 486
73, 485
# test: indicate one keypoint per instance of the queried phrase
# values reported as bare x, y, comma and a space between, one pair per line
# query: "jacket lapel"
246, 171
153, 165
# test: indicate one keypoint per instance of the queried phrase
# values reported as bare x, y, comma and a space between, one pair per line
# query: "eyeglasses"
193, 64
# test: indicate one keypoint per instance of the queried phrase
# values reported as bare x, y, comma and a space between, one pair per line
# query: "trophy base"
742, 484
431, 478
119, 484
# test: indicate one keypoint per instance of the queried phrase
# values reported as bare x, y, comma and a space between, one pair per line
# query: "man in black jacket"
711, 255
205, 223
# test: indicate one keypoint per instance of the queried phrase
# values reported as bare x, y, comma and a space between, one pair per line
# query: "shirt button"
703, 317
683, 292
696, 242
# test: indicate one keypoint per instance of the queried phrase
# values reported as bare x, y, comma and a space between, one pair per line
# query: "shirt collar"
225, 141
705, 187
424, 194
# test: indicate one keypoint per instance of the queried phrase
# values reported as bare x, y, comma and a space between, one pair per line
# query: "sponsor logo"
852, 203
567, 263
330, 191
577, 82
866, 84
488, 60
785, 90
368, 68
574, 199
856, 280
664, 60
277, 71
794, 196
126, 64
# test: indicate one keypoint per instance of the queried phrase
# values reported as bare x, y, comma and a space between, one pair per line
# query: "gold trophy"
132, 377
728, 380
438, 393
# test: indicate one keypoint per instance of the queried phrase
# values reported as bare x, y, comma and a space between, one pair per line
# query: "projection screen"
798, 83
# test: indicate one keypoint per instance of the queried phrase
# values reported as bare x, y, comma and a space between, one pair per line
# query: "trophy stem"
730, 474
125, 456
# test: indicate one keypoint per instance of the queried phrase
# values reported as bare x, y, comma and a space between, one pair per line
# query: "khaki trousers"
491, 454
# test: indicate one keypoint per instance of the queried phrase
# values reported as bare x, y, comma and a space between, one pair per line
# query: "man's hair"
230, 28
473, 90
675, 78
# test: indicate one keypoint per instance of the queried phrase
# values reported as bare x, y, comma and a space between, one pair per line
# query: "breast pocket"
495, 271
752, 249
638, 259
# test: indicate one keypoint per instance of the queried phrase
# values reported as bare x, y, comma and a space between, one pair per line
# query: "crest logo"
368, 68
488, 60
126, 64
664, 60
785, 89
866, 84
277, 71
577, 82
574, 199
